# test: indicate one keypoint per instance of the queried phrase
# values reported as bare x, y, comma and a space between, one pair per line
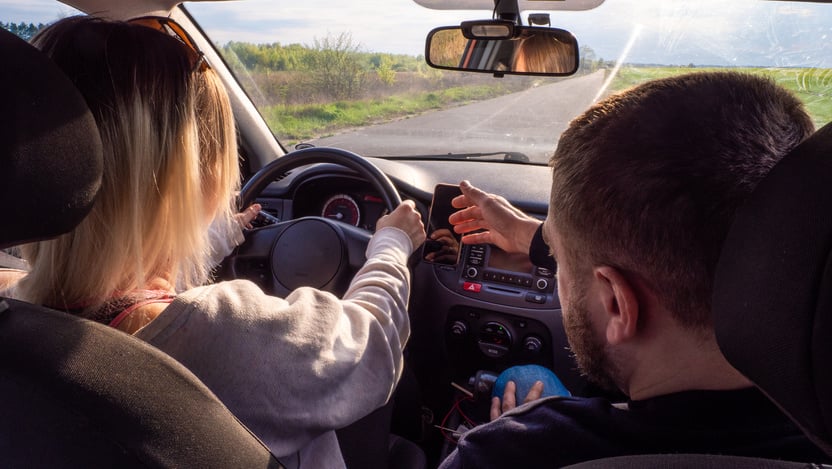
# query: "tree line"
334, 67
23, 30
298, 57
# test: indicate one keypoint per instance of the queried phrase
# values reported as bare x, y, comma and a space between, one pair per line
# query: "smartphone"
443, 245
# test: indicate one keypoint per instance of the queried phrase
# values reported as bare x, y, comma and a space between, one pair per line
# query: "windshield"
353, 74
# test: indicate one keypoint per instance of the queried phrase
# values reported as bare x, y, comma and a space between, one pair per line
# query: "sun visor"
523, 5
123, 10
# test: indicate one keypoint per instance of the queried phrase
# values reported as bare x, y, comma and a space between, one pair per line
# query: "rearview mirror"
525, 51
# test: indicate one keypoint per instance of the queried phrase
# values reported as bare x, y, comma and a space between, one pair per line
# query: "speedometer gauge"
343, 208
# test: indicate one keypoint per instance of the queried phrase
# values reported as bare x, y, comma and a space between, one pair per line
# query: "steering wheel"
311, 251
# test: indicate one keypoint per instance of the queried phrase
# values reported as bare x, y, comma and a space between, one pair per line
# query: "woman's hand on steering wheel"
406, 218
245, 217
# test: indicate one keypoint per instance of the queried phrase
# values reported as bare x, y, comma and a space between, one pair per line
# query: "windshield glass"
353, 74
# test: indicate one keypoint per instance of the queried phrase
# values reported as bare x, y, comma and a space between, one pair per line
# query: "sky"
700, 32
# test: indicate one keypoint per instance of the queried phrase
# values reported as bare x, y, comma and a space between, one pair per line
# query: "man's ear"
620, 303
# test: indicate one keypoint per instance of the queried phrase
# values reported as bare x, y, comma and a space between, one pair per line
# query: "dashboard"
491, 310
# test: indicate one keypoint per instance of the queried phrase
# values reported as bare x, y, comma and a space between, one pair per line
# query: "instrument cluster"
343, 199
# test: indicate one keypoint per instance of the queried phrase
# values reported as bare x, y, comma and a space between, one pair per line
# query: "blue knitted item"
524, 377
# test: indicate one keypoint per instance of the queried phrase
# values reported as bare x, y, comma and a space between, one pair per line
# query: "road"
529, 122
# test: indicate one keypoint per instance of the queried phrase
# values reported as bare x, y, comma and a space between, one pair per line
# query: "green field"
812, 86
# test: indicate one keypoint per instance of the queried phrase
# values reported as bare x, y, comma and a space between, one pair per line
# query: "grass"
302, 122
813, 86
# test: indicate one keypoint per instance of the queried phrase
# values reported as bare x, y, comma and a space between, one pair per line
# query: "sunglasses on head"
172, 28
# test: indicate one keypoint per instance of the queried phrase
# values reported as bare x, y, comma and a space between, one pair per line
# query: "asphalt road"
528, 122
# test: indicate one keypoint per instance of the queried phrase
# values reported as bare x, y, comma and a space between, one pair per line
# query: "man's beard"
588, 348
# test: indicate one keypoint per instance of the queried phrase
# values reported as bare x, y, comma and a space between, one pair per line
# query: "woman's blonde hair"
170, 165
542, 52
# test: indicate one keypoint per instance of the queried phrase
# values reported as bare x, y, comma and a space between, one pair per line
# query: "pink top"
151, 296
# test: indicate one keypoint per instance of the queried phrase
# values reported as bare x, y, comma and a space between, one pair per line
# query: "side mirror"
492, 47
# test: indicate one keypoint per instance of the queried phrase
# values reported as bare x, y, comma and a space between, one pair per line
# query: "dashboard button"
539, 298
532, 344
494, 351
472, 287
459, 328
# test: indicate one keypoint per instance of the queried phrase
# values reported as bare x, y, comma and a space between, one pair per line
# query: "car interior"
474, 312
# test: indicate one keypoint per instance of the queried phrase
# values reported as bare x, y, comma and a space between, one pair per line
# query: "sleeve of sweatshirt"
294, 368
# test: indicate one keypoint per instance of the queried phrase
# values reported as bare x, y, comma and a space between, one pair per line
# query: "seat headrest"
772, 301
50, 149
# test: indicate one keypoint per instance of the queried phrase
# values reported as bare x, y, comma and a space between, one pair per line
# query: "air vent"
282, 176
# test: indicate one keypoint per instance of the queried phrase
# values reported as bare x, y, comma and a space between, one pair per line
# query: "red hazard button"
472, 287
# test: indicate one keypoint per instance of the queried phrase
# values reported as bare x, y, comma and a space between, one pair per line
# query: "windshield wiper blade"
507, 156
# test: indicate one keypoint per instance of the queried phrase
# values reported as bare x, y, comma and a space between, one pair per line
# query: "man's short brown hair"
648, 180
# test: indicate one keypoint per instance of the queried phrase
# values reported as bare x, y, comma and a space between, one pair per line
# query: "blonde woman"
291, 369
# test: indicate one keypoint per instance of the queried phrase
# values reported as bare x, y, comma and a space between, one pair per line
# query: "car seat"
77, 393
772, 302
772, 299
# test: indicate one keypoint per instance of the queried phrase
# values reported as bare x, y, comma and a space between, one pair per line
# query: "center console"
504, 313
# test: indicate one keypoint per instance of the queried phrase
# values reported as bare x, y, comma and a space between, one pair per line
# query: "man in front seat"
644, 188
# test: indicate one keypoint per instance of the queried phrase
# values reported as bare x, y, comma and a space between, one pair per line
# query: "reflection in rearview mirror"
533, 51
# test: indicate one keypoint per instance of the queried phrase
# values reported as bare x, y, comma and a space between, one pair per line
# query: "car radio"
488, 273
